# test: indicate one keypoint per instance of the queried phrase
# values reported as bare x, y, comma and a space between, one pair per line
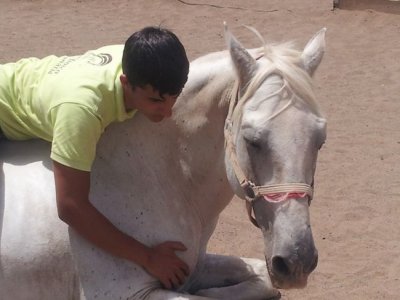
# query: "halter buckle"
249, 192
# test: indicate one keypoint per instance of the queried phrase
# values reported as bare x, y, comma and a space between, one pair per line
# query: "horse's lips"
297, 283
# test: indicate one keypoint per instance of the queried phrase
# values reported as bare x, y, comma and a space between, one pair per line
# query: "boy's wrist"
140, 254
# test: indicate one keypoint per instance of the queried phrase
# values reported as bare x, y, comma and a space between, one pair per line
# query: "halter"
272, 192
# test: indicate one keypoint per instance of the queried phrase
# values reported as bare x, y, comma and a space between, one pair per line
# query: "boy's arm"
74, 208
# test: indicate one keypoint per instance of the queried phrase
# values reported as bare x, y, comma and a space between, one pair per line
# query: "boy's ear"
123, 79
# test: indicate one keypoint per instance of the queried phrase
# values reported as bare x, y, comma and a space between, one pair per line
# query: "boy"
69, 101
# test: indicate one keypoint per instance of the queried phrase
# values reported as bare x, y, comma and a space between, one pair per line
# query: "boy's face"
148, 101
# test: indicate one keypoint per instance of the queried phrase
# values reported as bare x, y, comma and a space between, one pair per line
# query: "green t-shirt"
66, 100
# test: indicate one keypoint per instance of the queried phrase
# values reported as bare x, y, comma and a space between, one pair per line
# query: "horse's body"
169, 181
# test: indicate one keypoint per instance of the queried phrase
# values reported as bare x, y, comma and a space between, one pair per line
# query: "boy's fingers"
181, 276
167, 284
184, 267
175, 281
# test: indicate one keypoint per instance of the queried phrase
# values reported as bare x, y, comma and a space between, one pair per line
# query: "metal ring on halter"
248, 190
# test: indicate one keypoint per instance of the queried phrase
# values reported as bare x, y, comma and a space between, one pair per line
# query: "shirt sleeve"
76, 131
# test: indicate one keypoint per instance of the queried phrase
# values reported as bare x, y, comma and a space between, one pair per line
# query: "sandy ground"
355, 213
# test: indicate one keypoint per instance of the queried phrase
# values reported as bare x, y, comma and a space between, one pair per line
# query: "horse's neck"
202, 101
200, 115
184, 154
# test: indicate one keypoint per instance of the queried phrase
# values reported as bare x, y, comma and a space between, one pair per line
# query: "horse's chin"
288, 284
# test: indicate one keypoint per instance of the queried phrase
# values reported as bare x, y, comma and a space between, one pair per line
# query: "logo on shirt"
61, 65
100, 59
94, 59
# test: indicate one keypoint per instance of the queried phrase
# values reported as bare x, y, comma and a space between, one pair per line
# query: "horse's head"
273, 133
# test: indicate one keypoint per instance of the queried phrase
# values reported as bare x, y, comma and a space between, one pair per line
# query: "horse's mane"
285, 60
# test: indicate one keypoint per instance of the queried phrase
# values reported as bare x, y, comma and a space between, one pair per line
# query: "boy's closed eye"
156, 99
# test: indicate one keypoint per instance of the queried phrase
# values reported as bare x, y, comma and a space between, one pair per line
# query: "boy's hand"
166, 266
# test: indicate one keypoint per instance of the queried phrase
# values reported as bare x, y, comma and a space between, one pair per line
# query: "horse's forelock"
285, 60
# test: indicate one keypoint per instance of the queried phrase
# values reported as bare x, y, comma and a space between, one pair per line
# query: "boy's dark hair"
155, 56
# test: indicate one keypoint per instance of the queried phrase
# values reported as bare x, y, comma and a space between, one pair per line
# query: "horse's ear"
314, 51
244, 63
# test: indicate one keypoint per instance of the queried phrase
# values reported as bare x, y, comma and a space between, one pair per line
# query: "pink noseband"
279, 197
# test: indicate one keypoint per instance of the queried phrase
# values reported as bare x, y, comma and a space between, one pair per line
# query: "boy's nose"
168, 107
168, 112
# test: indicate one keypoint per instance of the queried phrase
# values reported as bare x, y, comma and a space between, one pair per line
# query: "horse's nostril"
279, 266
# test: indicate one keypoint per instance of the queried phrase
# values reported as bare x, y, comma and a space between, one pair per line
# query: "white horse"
247, 122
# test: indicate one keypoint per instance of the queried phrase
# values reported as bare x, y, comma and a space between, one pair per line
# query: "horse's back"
34, 251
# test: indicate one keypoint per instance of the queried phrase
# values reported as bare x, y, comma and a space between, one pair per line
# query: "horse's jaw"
290, 253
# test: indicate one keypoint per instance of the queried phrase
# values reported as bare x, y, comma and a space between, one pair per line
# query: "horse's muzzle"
288, 272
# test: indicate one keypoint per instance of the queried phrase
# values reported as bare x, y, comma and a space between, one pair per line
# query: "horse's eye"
253, 143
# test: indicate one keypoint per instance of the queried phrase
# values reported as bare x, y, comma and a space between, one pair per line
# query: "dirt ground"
356, 209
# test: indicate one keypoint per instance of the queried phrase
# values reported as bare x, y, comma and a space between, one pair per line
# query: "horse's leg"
229, 277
